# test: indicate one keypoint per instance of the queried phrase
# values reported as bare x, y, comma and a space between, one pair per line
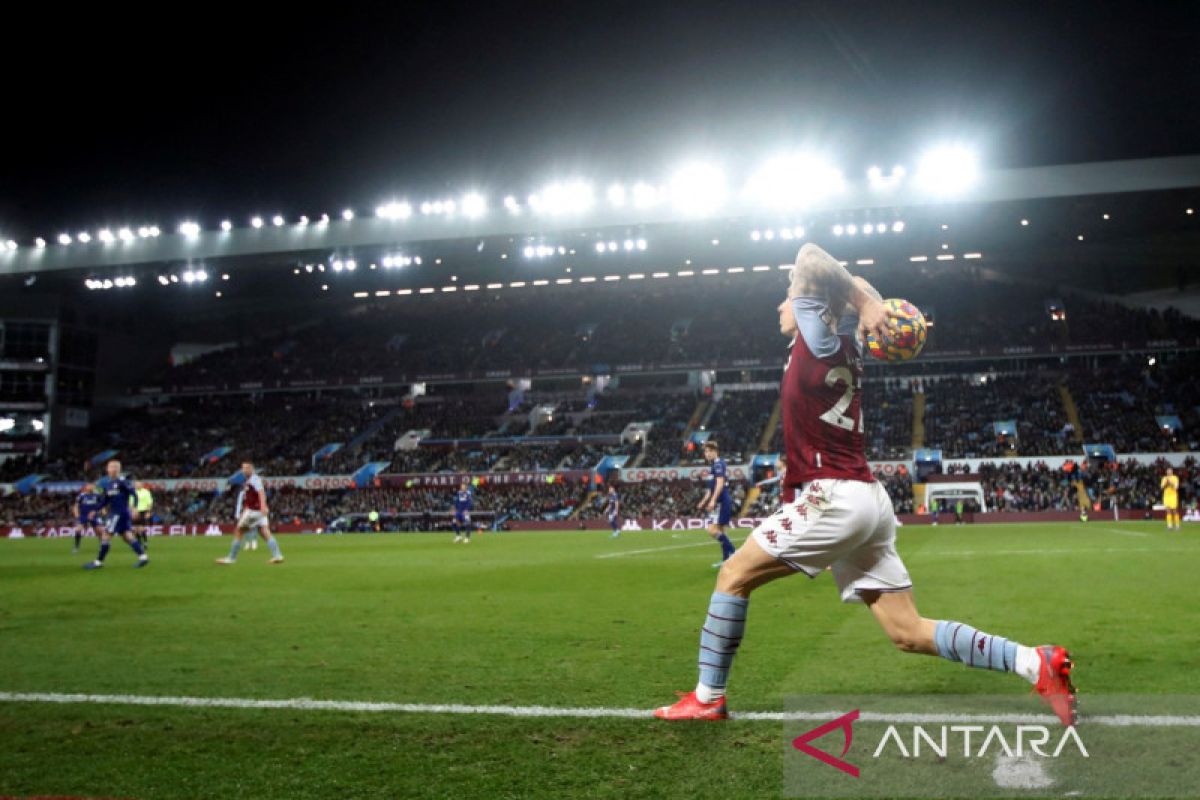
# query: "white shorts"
846, 525
252, 519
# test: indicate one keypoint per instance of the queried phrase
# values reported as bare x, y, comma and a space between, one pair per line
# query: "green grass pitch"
522, 619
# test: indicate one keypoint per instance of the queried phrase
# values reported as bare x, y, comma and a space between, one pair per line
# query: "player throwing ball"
834, 514
252, 514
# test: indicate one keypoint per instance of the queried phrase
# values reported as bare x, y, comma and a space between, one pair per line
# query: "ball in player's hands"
906, 336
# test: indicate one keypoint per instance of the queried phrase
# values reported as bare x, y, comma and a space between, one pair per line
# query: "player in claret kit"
612, 510
717, 503
119, 496
252, 513
834, 514
85, 511
463, 501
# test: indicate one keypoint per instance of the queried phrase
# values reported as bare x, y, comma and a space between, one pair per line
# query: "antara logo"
1025, 739
845, 723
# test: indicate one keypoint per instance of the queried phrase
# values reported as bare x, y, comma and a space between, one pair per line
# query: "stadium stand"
1119, 397
961, 414
1008, 487
658, 325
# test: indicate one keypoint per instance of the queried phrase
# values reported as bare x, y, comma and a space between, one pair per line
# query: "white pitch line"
653, 550
1125, 532
935, 553
308, 704
922, 554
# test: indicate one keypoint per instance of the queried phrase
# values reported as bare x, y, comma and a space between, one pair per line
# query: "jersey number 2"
836, 415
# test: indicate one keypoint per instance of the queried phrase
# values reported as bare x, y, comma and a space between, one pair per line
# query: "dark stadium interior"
291, 367
285, 368
393, 395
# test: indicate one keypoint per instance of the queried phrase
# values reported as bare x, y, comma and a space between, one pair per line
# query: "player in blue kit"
120, 496
462, 514
86, 510
612, 510
717, 503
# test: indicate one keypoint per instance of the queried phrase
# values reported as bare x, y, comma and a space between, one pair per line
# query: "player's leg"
723, 628
457, 529
105, 538
234, 548
78, 537
139, 530
873, 573
896, 613
264, 531
716, 529
1048, 667
615, 524
135, 544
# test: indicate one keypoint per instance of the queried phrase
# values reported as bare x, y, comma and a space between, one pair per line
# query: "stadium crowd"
1007, 486
961, 415
1119, 402
580, 327
318, 508
1120, 399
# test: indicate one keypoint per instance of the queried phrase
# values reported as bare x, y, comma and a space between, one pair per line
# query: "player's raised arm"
865, 285
818, 274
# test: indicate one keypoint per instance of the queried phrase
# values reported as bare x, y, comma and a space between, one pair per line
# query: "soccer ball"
907, 336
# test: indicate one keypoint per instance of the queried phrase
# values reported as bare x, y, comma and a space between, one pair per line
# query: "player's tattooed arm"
865, 286
818, 274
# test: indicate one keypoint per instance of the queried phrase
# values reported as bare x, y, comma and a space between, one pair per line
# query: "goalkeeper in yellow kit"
1170, 498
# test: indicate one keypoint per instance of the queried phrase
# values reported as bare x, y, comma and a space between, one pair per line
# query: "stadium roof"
399, 223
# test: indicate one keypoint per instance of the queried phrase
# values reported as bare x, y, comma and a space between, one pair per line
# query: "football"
907, 337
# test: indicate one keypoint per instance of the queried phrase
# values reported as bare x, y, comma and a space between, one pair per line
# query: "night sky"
115, 117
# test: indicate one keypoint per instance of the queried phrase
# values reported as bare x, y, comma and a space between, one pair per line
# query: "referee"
141, 514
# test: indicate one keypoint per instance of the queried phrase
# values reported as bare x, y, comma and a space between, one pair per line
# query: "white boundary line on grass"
1125, 532
654, 549
308, 704
921, 555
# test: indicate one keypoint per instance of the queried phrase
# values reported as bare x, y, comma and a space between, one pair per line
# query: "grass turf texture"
520, 619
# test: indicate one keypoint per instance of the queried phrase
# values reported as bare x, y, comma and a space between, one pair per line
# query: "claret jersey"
822, 399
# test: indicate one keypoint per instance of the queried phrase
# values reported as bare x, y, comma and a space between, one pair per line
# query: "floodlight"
948, 169
698, 189
474, 205
793, 181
